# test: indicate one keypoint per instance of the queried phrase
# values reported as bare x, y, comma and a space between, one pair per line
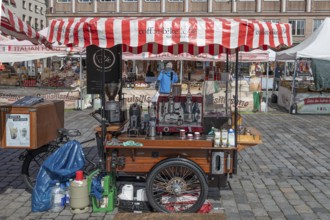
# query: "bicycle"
33, 159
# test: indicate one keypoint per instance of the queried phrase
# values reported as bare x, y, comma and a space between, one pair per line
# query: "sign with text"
98, 59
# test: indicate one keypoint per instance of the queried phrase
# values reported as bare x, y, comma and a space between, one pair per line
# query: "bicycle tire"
32, 163
161, 170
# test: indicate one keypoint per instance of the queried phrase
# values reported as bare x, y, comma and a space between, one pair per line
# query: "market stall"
168, 164
307, 90
213, 65
31, 68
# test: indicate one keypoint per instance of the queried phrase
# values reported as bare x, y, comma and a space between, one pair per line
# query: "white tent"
315, 46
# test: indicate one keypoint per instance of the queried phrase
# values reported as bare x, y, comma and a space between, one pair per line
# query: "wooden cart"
179, 173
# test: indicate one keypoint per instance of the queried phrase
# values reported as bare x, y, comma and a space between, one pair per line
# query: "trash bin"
256, 101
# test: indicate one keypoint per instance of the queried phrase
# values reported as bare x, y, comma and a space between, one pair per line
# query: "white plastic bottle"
263, 106
231, 138
58, 198
224, 137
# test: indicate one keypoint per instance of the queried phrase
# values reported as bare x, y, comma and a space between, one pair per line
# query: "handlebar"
63, 132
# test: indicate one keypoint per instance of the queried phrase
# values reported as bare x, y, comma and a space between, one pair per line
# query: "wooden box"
30, 127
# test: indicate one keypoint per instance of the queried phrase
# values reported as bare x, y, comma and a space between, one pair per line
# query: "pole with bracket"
103, 127
236, 112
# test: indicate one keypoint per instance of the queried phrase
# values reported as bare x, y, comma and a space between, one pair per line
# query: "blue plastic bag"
59, 167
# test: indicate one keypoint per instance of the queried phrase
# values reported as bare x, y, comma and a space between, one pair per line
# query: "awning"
173, 35
14, 26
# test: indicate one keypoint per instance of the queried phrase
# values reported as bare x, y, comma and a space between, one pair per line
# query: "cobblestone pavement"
285, 177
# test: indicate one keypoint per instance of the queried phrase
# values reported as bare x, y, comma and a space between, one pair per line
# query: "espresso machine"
114, 110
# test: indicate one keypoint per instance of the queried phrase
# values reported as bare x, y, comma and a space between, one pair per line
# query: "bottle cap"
79, 175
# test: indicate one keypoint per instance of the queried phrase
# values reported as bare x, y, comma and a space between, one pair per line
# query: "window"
272, 20
36, 9
42, 24
36, 26
85, 0
41, 12
152, 0
30, 6
199, 0
30, 20
63, 1
129, 0
23, 17
175, 0
298, 27
24, 5
107, 0
317, 23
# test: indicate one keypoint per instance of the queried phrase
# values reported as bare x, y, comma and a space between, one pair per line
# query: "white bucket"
127, 192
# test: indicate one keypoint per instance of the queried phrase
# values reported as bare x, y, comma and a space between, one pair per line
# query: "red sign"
312, 101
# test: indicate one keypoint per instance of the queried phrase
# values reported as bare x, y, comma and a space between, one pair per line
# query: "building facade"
304, 15
32, 12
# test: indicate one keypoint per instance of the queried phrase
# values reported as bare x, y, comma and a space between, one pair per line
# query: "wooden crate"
30, 127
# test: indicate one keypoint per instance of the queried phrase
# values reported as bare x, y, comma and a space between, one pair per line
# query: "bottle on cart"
231, 138
224, 137
57, 198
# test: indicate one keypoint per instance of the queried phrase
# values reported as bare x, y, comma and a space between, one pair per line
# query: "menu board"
18, 130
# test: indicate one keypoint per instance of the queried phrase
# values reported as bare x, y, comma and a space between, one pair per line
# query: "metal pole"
293, 94
101, 151
81, 81
227, 62
267, 74
236, 112
181, 71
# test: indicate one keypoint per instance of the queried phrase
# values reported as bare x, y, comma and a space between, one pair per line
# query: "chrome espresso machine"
114, 110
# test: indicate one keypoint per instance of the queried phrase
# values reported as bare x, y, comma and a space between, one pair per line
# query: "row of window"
67, 1
37, 9
37, 25
298, 26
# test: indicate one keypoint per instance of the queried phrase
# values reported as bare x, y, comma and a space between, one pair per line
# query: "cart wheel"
176, 185
32, 163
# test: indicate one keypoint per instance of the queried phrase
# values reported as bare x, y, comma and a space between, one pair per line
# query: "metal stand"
103, 122
236, 112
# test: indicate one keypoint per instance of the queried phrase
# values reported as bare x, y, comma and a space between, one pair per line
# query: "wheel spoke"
176, 187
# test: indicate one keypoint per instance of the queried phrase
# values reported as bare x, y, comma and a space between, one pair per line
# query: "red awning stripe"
165, 32
14, 26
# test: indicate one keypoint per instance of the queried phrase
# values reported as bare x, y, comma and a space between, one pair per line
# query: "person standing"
164, 79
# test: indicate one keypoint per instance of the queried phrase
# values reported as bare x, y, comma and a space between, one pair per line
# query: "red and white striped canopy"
13, 26
173, 35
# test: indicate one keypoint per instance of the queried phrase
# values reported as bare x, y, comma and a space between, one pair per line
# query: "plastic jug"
58, 198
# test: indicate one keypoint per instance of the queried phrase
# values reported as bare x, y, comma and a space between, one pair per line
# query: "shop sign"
313, 103
69, 98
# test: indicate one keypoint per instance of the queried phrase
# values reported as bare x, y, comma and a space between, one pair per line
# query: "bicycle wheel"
32, 163
176, 185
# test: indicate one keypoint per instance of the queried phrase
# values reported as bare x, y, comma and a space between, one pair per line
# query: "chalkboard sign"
112, 67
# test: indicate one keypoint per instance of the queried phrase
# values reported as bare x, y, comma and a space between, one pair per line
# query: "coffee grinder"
113, 110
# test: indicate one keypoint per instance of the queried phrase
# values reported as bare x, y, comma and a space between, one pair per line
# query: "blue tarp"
59, 167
